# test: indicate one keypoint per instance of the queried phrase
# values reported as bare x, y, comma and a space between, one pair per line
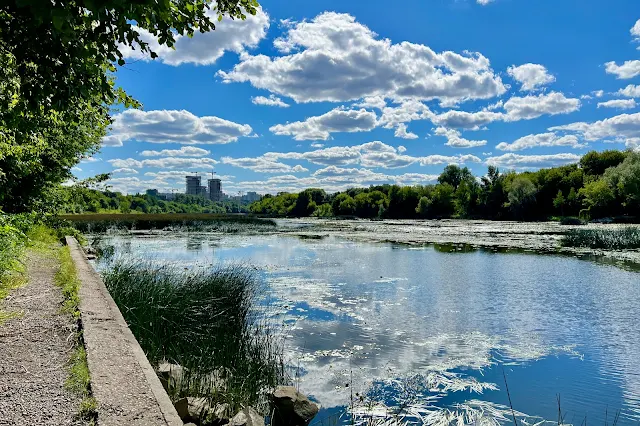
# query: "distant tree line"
602, 184
82, 199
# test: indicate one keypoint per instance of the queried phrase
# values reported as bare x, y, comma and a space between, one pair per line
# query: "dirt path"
34, 351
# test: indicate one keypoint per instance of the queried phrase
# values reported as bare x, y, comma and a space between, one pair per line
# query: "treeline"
602, 184
80, 199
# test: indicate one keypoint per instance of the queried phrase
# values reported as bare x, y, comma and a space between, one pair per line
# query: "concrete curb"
123, 382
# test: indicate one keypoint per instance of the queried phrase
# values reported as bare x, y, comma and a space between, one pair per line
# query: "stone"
190, 424
247, 417
291, 408
192, 409
198, 408
169, 375
182, 407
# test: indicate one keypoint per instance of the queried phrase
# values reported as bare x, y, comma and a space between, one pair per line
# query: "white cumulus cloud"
624, 128
403, 133
172, 126
532, 106
455, 139
272, 100
185, 151
541, 139
321, 127
631, 91
517, 161
618, 103
230, 35
532, 76
629, 69
335, 58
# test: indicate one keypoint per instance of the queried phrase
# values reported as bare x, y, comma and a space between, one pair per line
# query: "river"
437, 329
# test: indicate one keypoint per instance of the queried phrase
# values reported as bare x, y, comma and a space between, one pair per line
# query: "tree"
625, 178
598, 196
522, 195
595, 163
559, 202
424, 207
454, 175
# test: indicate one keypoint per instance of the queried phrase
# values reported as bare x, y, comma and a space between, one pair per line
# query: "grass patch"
99, 223
79, 381
205, 321
67, 279
612, 239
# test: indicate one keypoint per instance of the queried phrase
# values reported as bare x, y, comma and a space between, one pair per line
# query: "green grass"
79, 381
99, 223
67, 279
612, 239
205, 321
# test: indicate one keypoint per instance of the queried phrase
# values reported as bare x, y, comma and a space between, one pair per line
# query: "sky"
334, 94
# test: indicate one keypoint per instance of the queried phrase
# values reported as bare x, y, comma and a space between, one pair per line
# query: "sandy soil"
34, 351
539, 236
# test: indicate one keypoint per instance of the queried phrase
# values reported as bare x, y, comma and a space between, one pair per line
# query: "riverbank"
527, 236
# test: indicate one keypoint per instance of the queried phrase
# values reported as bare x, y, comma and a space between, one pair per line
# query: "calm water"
434, 330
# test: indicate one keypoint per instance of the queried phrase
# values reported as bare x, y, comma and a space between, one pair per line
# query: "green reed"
612, 239
206, 321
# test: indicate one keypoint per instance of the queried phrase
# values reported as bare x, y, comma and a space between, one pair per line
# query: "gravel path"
34, 351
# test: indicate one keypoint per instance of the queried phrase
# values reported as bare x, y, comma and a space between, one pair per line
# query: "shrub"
571, 221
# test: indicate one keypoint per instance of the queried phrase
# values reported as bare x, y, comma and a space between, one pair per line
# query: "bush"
571, 221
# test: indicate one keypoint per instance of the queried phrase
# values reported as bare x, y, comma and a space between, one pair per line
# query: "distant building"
152, 193
168, 196
215, 190
194, 185
251, 197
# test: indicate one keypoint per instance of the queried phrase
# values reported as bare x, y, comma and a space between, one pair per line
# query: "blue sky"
335, 94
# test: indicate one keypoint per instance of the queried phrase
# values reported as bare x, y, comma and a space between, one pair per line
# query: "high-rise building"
251, 197
194, 183
215, 190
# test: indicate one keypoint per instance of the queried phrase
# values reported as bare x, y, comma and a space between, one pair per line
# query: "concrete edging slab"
123, 381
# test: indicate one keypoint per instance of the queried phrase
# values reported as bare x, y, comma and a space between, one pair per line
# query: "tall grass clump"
612, 239
206, 322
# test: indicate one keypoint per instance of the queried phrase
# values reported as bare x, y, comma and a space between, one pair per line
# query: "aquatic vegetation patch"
200, 222
612, 239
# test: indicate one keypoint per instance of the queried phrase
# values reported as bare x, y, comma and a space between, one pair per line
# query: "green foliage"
596, 163
625, 179
522, 196
598, 197
323, 210
205, 321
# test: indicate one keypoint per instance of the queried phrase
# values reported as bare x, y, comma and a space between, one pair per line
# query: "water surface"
436, 330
